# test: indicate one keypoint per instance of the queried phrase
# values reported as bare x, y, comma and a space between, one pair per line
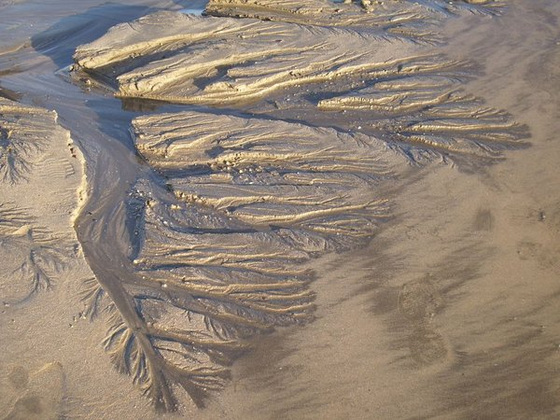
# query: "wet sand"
449, 312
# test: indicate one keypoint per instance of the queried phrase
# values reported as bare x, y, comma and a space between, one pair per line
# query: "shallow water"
450, 312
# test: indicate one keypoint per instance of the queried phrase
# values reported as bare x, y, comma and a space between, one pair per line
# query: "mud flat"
459, 316
247, 201
317, 210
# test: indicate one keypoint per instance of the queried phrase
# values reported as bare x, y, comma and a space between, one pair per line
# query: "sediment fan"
395, 90
222, 246
36, 256
428, 116
238, 204
222, 61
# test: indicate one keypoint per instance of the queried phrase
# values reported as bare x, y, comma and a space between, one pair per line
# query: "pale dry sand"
450, 312
42, 190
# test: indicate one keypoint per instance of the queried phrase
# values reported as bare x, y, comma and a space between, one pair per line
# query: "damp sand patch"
42, 185
42, 189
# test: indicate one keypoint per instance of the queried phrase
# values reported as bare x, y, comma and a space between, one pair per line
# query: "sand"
42, 191
430, 229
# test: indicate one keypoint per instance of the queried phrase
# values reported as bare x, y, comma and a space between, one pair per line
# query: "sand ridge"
395, 90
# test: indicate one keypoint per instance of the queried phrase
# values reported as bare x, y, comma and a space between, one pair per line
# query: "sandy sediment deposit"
394, 89
224, 236
42, 184
42, 188
293, 209
408, 19
217, 61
